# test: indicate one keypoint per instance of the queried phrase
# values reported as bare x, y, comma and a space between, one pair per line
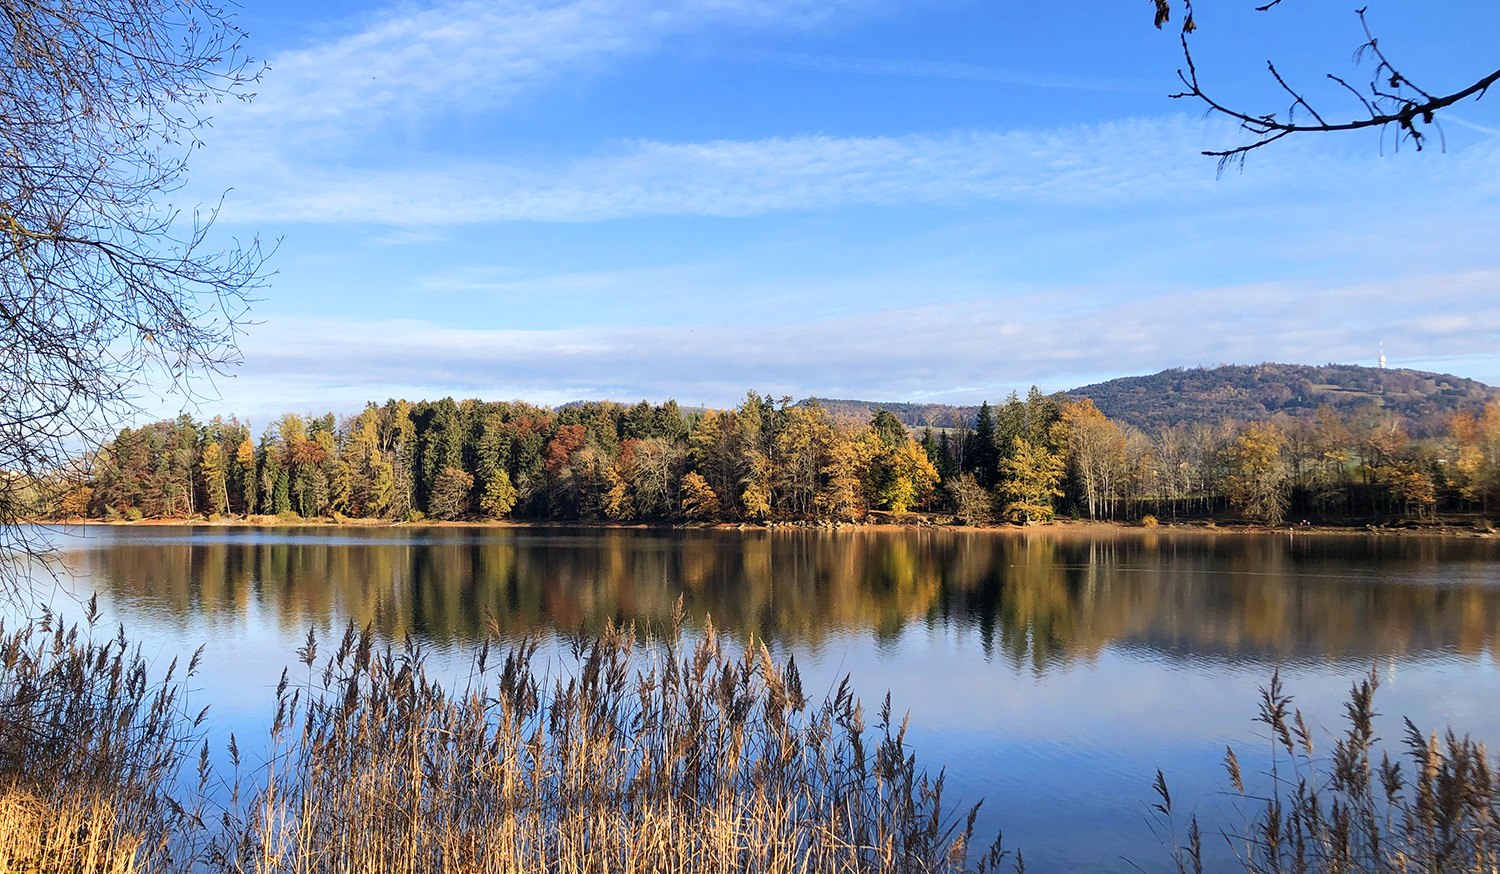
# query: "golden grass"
628, 754
1355, 809
649, 757
75, 833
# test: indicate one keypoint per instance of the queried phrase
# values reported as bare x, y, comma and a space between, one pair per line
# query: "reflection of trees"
1036, 598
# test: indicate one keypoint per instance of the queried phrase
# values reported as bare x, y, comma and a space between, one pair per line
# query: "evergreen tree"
981, 456
946, 466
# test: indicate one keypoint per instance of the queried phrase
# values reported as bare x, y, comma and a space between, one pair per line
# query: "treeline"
1023, 461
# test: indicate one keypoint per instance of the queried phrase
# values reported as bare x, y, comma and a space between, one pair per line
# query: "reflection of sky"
1064, 754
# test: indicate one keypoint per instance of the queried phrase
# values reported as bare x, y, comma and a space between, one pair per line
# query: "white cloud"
927, 69
476, 54
992, 345
1107, 164
1136, 162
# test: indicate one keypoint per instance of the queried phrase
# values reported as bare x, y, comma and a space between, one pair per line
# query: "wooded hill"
1246, 393
1252, 393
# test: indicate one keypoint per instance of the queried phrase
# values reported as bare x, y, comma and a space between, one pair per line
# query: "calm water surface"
1049, 673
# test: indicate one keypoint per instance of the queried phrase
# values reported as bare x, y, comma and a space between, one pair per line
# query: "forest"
1024, 461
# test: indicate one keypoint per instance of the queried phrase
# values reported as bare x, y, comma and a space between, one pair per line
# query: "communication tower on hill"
1382, 355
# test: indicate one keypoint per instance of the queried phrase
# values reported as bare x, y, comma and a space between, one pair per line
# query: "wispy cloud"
990, 345
1134, 162
1106, 164
407, 64
928, 69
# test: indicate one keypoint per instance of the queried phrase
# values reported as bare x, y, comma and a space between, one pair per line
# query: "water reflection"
1035, 600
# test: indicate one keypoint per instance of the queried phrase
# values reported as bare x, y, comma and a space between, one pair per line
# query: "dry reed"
91, 754
1357, 809
634, 755
651, 756
631, 755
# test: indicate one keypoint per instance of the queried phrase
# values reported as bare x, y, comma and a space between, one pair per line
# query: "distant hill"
1248, 393
1243, 392
916, 416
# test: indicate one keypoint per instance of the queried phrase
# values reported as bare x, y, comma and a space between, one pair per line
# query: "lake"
1050, 672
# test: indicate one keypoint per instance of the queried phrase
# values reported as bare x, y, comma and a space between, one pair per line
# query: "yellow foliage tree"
698, 499
756, 496
901, 474
615, 502
845, 462
1258, 478
214, 473
499, 495
1029, 478
1478, 462
1096, 454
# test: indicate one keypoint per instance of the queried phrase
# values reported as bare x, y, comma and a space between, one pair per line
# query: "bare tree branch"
101, 283
1390, 99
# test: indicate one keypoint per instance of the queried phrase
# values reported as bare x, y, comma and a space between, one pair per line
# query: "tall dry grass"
627, 754
632, 755
650, 756
1434, 807
93, 752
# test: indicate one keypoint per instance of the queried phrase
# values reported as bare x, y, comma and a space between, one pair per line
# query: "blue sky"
940, 200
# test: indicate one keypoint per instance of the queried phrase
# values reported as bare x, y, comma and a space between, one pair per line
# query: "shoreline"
920, 523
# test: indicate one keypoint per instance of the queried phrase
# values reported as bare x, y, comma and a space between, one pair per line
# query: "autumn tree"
699, 502
244, 467
1029, 479
844, 461
1410, 486
499, 495
899, 471
1096, 452
450, 494
801, 458
369, 478
972, 503
758, 426
718, 451
398, 443
213, 471
1478, 463
493, 446
1258, 477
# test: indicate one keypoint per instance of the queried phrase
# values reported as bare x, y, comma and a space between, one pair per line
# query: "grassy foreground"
653, 757
641, 755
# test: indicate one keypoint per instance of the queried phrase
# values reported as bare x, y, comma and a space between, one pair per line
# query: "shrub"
1149, 521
